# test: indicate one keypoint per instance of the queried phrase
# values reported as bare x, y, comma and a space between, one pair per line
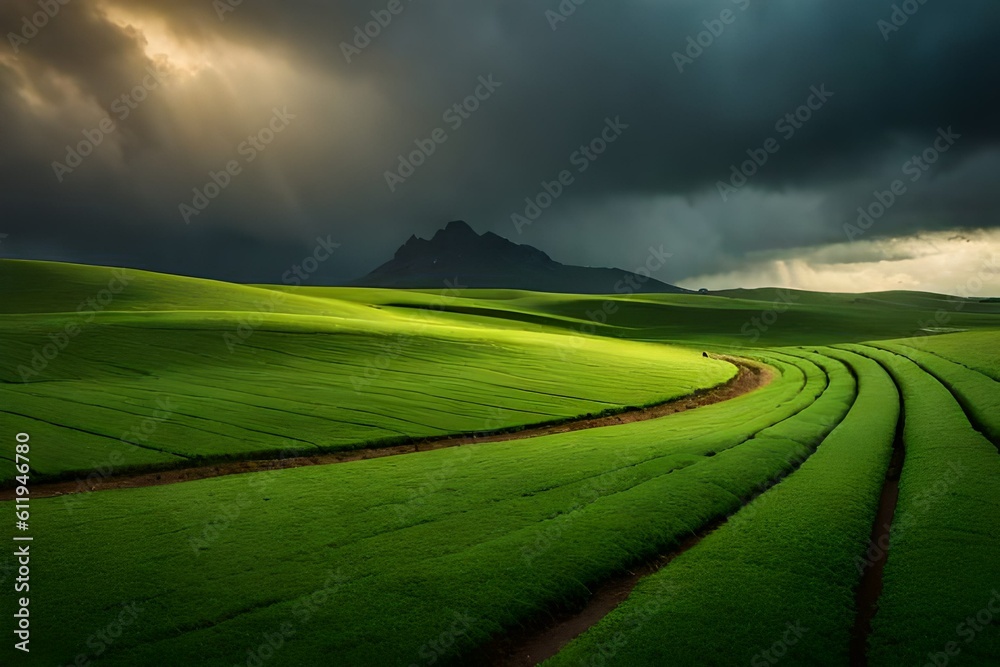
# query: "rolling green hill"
175, 370
430, 557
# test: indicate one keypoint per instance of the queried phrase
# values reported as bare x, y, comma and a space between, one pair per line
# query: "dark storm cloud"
326, 175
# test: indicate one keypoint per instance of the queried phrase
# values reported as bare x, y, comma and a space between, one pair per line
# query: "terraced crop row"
493, 533
974, 349
778, 579
944, 561
978, 394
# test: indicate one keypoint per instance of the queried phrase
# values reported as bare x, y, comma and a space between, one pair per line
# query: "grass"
944, 559
184, 387
419, 559
978, 394
497, 532
782, 568
741, 318
976, 350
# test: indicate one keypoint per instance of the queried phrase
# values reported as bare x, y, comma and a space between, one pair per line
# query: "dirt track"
751, 376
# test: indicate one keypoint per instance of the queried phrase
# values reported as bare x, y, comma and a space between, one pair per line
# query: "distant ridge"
489, 261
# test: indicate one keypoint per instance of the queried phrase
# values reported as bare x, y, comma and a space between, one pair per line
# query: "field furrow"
978, 394
779, 578
507, 525
944, 556
268, 475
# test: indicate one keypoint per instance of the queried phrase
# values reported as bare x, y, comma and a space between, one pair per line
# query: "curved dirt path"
543, 636
752, 375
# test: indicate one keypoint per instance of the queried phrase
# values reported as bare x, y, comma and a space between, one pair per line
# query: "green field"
426, 558
155, 380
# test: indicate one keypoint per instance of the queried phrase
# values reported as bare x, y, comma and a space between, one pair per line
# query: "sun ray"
161, 43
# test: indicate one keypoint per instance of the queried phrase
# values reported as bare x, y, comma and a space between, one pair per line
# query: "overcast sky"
331, 114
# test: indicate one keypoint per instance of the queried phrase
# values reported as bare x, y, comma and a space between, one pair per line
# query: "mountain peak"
489, 260
458, 227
